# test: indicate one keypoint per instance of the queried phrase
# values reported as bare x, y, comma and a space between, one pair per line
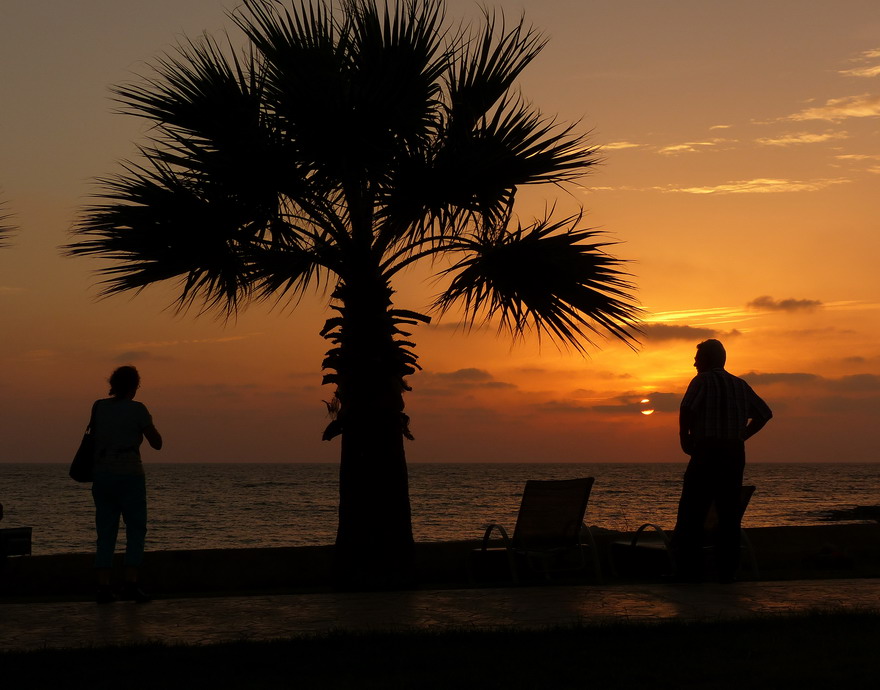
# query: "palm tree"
344, 144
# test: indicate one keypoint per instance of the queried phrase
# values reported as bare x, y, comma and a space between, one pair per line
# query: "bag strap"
91, 427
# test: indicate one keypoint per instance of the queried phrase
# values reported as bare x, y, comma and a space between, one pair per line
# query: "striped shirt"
721, 404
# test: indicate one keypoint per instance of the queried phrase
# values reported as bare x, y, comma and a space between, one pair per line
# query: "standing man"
719, 412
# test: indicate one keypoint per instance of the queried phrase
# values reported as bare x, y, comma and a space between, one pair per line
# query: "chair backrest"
551, 513
745, 495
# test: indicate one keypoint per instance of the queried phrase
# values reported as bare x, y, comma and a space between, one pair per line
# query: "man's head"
710, 355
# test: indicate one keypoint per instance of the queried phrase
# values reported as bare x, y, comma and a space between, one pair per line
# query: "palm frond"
161, 225
487, 68
209, 106
303, 51
156, 227
531, 148
492, 142
353, 89
6, 228
550, 277
292, 261
395, 63
221, 199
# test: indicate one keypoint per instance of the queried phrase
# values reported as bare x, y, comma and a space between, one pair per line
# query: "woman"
119, 487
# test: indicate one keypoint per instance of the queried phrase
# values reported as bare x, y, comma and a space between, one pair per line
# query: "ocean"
206, 506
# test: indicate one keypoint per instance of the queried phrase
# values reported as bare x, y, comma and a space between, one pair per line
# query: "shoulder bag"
82, 469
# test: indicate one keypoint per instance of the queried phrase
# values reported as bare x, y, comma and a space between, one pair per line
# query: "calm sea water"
202, 506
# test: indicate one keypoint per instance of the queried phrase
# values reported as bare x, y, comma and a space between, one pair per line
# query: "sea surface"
206, 506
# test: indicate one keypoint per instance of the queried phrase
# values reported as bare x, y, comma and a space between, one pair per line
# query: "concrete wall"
840, 550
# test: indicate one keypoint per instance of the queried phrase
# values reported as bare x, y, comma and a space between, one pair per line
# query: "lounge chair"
650, 540
550, 534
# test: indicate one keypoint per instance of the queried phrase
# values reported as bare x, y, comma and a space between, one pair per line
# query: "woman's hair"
124, 380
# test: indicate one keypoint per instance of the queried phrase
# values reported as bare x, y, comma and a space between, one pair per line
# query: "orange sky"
742, 159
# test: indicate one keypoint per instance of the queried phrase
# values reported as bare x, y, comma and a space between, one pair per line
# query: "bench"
15, 541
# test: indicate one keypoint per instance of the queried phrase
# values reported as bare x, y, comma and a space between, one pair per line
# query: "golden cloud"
863, 105
687, 147
871, 71
858, 157
802, 138
759, 185
195, 341
616, 145
865, 70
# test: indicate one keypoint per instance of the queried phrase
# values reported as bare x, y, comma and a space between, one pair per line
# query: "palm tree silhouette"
346, 143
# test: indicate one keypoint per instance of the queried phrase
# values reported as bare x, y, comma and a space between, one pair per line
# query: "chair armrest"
649, 525
585, 531
488, 533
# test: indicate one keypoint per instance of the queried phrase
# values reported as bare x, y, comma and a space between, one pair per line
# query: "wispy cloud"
761, 185
7, 290
716, 316
856, 383
616, 145
858, 157
664, 332
469, 377
791, 378
148, 345
864, 70
802, 138
631, 403
868, 71
720, 127
138, 356
871, 159
767, 303
686, 147
605, 188
853, 383
734, 321
835, 109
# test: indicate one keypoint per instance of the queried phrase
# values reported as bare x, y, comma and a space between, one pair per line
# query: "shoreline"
782, 553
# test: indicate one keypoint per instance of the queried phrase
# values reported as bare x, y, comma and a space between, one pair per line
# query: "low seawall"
838, 550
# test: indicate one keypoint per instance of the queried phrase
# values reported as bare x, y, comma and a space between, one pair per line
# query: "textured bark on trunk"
374, 542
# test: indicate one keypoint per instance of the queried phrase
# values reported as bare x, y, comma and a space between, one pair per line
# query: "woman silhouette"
119, 486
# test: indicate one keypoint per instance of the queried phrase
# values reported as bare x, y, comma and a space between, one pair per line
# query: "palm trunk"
374, 542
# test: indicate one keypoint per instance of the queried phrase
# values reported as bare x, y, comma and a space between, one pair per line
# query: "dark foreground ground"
805, 650
266, 618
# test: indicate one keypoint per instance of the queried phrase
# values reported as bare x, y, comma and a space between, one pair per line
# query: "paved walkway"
210, 620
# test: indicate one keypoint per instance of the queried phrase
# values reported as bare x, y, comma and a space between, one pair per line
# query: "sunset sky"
741, 145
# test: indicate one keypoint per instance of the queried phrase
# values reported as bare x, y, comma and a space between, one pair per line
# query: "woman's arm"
154, 438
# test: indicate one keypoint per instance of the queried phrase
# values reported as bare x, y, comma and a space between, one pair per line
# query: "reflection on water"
241, 505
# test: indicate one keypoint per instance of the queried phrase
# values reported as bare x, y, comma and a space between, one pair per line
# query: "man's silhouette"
719, 412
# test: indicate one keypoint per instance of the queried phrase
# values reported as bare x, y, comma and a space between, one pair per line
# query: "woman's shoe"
131, 591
